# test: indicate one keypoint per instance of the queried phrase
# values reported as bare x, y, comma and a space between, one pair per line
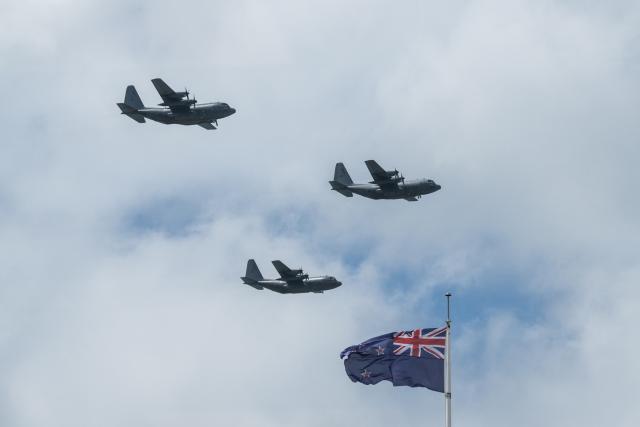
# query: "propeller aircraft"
177, 108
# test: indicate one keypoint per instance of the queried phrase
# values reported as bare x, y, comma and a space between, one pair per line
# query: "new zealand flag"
412, 358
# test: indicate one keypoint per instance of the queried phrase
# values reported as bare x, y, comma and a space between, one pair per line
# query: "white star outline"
365, 374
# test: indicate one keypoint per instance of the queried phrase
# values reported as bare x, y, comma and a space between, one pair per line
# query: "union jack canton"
421, 342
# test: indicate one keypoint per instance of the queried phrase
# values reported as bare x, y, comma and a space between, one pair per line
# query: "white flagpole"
447, 369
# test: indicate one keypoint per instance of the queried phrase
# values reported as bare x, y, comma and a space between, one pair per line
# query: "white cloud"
123, 243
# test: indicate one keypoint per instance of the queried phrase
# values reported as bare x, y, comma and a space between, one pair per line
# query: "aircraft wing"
290, 276
208, 126
376, 170
380, 176
165, 91
283, 270
171, 98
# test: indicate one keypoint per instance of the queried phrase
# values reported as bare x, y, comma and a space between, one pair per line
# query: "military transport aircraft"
385, 184
175, 108
290, 281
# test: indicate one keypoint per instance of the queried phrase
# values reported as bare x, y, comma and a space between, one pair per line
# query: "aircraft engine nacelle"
391, 180
178, 103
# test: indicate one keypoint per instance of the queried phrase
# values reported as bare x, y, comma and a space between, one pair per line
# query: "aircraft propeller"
397, 174
302, 275
193, 98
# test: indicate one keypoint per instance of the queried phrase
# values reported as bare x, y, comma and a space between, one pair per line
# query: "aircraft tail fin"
341, 175
253, 275
341, 180
132, 99
253, 272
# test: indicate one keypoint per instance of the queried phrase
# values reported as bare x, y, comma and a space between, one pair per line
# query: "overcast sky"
121, 244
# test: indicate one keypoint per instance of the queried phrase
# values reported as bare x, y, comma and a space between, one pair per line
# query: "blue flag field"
406, 358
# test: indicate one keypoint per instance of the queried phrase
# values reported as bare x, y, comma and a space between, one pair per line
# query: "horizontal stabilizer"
345, 193
341, 188
131, 112
208, 126
253, 283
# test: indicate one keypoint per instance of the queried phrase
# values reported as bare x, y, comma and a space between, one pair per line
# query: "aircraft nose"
232, 111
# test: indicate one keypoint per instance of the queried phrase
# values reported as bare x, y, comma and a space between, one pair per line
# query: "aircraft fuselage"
200, 113
407, 189
312, 284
